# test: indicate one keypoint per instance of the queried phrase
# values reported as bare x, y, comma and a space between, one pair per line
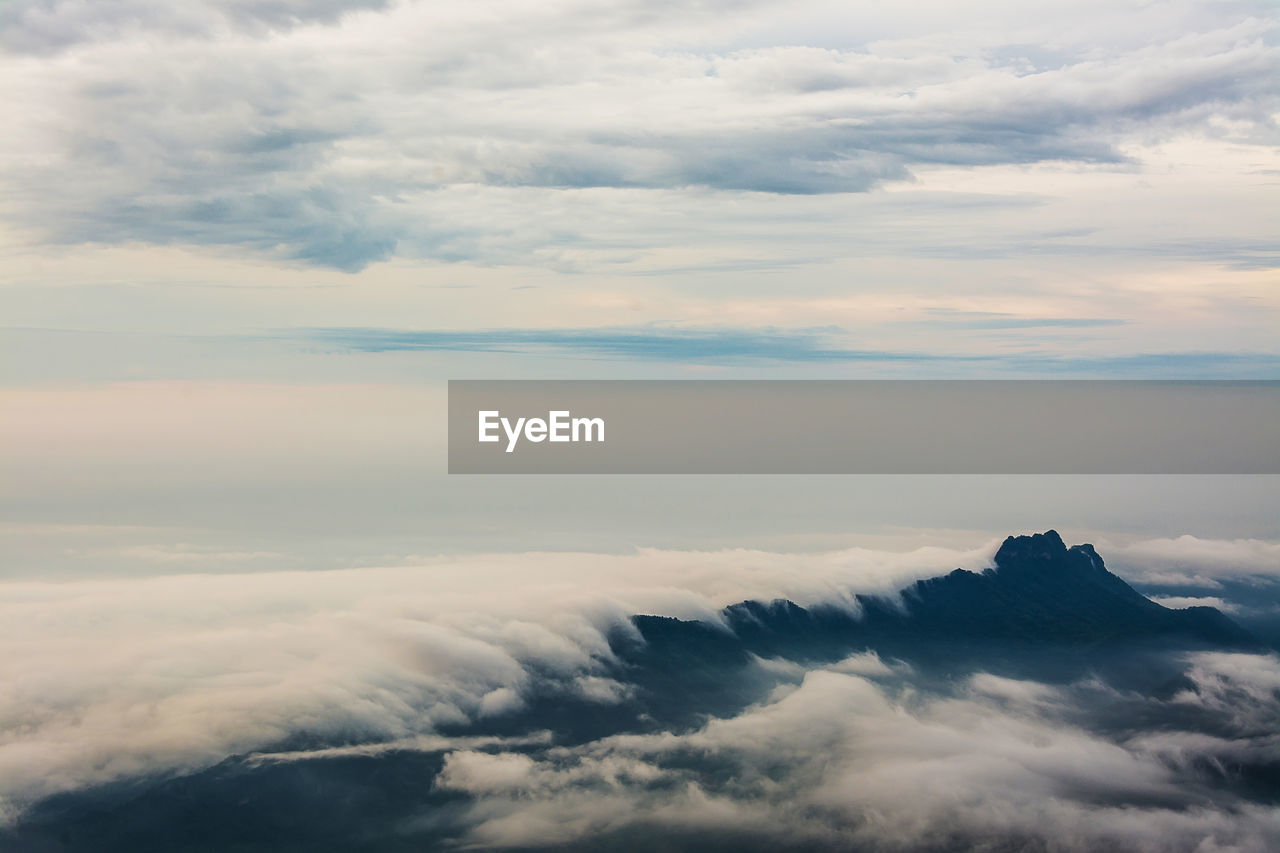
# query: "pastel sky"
245, 244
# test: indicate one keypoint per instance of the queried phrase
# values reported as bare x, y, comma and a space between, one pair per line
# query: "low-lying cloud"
107, 680
843, 761
147, 679
1192, 561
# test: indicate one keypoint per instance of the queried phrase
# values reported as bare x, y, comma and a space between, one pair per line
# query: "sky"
246, 243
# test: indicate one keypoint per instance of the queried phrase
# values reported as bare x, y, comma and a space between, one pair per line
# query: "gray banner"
864, 427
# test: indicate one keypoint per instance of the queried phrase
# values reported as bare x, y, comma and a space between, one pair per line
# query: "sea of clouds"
109, 680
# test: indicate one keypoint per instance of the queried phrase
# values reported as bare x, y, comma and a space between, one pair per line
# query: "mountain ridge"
1041, 607
1037, 590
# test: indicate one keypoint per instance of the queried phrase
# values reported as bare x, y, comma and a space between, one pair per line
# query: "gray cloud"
696, 345
45, 26
326, 143
730, 346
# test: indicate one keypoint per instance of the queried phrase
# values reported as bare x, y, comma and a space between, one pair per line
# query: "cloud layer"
114, 679
335, 133
121, 680
842, 761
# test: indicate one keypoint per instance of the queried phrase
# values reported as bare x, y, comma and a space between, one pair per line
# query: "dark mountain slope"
1040, 591
1043, 610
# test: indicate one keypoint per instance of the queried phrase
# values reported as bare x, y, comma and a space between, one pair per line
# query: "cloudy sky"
246, 243
1060, 187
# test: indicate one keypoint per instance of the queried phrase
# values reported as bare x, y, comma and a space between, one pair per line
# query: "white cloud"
1194, 561
110, 679
1241, 688
843, 762
1178, 602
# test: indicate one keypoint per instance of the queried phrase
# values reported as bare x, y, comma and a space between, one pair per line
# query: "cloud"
657, 344
1179, 602
1244, 689
843, 762
150, 678
306, 131
112, 680
1195, 561
823, 345
46, 26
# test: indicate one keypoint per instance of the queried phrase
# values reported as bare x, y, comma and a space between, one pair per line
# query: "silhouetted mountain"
1043, 607
1038, 592
1042, 591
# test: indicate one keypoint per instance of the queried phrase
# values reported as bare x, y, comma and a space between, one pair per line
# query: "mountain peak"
1044, 557
1038, 546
